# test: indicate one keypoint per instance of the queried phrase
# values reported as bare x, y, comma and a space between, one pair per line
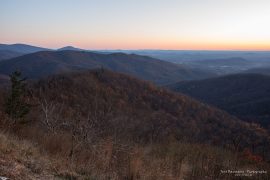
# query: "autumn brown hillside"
104, 125
105, 104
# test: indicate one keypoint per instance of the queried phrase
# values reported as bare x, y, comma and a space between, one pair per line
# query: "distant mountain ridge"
22, 48
45, 63
70, 48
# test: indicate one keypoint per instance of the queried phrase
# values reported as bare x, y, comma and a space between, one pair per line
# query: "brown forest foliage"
107, 125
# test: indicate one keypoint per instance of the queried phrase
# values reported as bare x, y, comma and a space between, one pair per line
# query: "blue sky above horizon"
138, 24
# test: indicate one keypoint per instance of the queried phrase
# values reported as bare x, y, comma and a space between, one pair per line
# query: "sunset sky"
138, 24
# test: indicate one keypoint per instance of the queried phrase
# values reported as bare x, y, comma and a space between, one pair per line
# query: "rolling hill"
139, 110
45, 63
7, 54
245, 95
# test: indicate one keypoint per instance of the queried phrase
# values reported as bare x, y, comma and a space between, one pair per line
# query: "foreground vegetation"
102, 125
24, 159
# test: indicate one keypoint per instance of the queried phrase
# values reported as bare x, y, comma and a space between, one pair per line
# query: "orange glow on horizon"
151, 44
155, 42
170, 46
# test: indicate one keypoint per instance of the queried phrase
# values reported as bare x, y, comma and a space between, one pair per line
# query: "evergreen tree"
15, 105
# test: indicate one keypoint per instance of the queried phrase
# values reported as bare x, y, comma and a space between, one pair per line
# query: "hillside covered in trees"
104, 124
246, 96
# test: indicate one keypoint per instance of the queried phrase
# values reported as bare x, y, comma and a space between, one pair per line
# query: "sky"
138, 24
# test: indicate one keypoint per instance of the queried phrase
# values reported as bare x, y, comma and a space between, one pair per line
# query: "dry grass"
106, 159
19, 159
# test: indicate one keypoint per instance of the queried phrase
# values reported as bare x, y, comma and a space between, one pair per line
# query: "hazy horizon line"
138, 49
